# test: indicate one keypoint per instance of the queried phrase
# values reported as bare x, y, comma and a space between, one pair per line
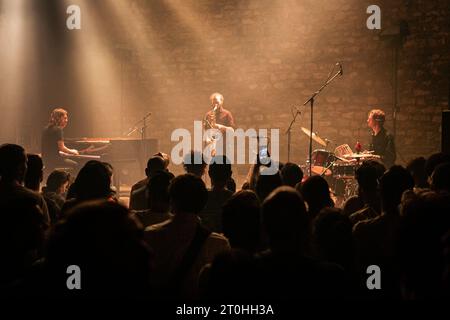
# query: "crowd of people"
276, 237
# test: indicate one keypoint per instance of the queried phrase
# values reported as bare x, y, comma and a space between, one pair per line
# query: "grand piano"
125, 154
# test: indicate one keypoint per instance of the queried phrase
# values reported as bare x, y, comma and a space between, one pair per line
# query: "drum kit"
337, 167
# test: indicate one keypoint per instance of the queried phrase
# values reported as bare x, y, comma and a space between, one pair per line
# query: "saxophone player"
218, 118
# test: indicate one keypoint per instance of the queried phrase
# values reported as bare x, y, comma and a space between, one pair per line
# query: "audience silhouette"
139, 198
376, 238
92, 182
416, 168
285, 270
316, 192
158, 197
220, 173
242, 222
13, 167
179, 240
106, 243
182, 245
194, 163
369, 204
291, 174
35, 172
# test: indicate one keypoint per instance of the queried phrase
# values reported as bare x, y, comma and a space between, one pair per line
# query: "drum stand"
328, 167
350, 187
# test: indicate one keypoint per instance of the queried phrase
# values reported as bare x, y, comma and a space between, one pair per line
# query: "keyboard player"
53, 147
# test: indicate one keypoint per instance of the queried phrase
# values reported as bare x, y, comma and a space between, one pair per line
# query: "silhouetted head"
93, 181
57, 181
379, 167
158, 189
416, 168
392, 185
21, 238
367, 178
241, 221
440, 179
188, 194
316, 192
291, 174
231, 185
165, 157
421, 247
155, 164
285, 220
13, 163
35, 172
333, 236
109, 168
219, 171
105, 242
266, 183
434, 160
194, 163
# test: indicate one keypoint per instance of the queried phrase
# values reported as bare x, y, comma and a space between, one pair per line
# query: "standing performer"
382, 141
53, 141
218, 118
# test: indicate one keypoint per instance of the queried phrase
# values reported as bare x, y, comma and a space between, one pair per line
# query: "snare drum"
321, 162
344, 170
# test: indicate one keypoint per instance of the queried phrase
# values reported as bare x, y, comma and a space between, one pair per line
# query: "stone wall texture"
265, 57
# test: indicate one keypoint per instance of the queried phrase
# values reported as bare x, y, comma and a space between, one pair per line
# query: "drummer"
382, 141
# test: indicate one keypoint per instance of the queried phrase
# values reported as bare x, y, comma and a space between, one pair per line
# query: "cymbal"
315, 137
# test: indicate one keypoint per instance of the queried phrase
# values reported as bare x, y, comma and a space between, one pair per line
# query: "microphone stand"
311, 101
142, 129
143, 156
288, 132
144, 126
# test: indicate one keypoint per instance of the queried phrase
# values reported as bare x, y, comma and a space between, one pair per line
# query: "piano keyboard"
79, 156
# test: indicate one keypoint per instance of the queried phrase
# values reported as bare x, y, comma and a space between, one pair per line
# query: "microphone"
215, 107
147, 115
131, 131
341, 70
